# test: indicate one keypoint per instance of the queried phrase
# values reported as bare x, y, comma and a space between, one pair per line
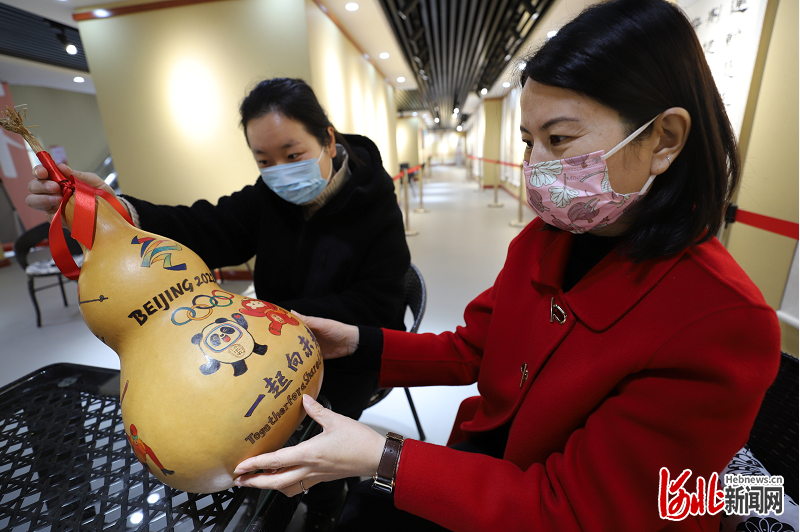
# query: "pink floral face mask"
575, 194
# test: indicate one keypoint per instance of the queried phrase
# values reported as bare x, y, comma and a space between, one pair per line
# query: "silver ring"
305, 491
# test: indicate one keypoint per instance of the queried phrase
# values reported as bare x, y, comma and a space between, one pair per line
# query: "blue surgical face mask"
298, 182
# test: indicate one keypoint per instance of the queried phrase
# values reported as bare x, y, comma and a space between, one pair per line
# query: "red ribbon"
83, 216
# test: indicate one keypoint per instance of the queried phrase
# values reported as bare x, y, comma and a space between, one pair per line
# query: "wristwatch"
383, 479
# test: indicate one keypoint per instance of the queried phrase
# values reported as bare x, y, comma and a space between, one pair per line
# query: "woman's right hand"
46, 194
335, 339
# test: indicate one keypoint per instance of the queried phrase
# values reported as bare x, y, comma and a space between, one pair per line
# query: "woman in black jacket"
322, 219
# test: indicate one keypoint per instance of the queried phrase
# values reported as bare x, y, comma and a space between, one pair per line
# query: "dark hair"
294, 99
641, 57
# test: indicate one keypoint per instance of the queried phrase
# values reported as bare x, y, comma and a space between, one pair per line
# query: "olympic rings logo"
216, 299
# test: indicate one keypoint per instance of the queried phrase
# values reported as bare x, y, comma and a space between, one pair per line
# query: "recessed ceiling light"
414, 113
78, 79
436, 119
384, 55
484, 91
401, 79
351, 6
101, 13
506, 85
459, 128
71, 49
455, 111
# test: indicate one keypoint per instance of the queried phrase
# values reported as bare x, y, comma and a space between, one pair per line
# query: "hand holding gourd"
336, 339
346, 448
46, 194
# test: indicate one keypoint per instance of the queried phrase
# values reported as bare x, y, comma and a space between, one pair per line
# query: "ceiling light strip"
140, 8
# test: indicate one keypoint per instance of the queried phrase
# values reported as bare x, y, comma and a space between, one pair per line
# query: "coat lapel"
548, 270
614, 287
609, 290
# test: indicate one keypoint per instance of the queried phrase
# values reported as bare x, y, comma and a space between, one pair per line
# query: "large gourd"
208, 378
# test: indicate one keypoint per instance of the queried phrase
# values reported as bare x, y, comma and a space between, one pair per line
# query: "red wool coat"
659, 364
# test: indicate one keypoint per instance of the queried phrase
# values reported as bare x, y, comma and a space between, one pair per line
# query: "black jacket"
347, 262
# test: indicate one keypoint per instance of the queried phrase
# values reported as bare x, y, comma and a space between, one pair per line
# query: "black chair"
416, 297
774, 438
43, 268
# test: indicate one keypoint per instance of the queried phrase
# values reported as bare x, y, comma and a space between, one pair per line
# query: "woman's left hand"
346, 448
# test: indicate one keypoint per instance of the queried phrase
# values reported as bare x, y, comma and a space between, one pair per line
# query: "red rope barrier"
410, 171
493, 161
768, 223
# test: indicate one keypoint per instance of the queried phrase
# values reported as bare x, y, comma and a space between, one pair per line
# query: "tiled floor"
460, 249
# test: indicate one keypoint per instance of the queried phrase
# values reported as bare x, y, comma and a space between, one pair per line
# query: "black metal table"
65, 464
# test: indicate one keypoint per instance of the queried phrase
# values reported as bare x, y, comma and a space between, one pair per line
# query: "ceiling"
444, 51
31, 52
458, 47
32, 20
28, 36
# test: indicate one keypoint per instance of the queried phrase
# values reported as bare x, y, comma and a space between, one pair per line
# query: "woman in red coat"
619, 342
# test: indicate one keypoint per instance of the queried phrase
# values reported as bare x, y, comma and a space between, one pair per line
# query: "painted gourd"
208, 378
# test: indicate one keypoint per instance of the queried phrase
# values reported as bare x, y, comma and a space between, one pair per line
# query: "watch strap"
387, 467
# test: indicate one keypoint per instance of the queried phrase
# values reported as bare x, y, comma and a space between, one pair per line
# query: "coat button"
557, 313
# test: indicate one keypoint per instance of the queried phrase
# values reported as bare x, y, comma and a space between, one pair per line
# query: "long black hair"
294, 99
640, 58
